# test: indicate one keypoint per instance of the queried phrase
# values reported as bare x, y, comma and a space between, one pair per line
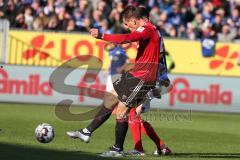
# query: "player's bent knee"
110, 100
121, 111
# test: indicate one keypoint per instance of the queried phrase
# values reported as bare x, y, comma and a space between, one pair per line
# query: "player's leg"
121, 87
110, 102
148, 130
121, 125
121, 129
130, 92
134, 123
130, 95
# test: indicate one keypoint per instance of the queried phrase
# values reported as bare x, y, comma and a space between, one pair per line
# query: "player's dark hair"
130, 12
143, 12
135, 12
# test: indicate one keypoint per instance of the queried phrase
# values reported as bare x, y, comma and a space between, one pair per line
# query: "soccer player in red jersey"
131, 86
136, 124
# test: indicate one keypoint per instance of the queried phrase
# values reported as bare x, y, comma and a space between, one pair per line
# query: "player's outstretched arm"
141, 33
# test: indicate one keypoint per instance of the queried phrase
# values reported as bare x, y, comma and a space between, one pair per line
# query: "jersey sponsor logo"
212, 95
140, 29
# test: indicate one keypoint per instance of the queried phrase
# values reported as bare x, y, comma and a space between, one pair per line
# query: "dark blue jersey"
118, 58
162, 71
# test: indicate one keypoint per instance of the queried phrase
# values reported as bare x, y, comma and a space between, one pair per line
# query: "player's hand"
139, 110
94, 32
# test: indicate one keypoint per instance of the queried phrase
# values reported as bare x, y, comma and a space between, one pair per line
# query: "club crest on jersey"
140, 29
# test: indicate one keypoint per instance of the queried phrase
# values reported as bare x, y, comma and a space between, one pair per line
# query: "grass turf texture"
204, 136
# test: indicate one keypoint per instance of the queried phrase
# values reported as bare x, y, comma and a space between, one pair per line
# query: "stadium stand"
190, 19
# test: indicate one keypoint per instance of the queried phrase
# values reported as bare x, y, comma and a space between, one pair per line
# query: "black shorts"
131, 90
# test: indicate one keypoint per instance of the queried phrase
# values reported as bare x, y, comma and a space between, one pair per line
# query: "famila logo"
30, 86
183, 93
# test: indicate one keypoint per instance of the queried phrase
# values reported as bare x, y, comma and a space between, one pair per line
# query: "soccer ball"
44, 133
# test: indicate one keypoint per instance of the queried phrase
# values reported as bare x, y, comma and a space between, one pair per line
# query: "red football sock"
134, 123
148, 130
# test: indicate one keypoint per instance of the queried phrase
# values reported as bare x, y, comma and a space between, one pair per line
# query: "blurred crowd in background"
189, 19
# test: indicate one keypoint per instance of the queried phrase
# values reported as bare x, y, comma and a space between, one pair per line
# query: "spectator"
70, 5
20, 22
87, 25
11, 13
227, 34
104, 8
221, 12
19, 6
171, 32
71, 26
49, 9
164, 5
181, 31
59, 4
119, 5
207, 10
175, 17
63, 17
78, 18
186, 15
36, 7
161, 24
53, 23
217, 24
28, 16
237, 38
154, 15
193, 7
43, 18
85, 8
207, 32
105, 27
115, 20
38, 24
178, 18
208, 40
190, 33
2, 6
197, 24
97, 18
234, 19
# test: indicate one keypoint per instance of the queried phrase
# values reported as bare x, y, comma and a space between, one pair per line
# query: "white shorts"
109, 84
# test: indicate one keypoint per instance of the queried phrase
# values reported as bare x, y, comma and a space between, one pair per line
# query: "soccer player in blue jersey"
118, 60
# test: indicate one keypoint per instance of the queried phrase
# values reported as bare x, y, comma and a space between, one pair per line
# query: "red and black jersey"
149, 39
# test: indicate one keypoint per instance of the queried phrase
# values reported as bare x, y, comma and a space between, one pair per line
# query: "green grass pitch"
201, 136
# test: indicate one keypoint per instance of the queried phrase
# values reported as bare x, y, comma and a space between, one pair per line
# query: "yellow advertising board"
188, 58
52, 49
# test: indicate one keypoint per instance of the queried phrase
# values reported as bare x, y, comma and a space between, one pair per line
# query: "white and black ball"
44, 133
